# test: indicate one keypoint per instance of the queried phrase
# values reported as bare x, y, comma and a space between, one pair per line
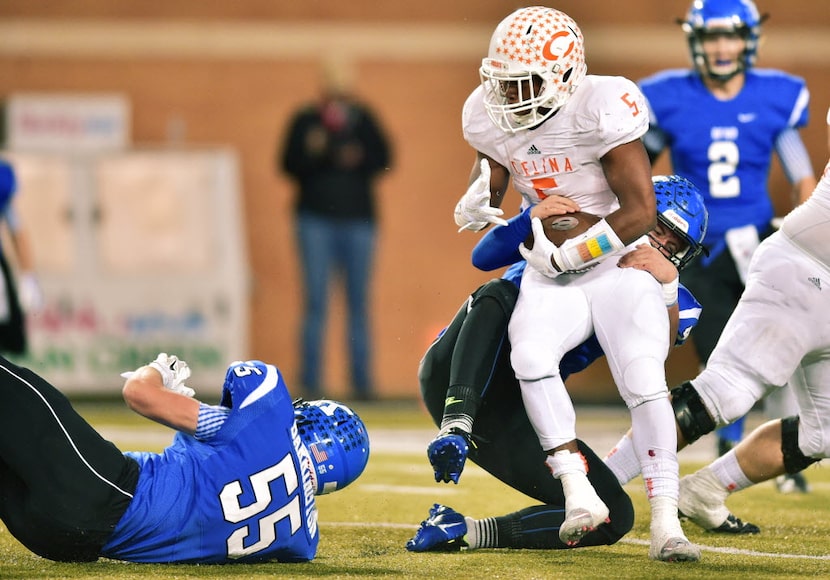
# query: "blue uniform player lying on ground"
237, 484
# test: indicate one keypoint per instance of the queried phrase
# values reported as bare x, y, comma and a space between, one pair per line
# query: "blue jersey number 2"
724, 157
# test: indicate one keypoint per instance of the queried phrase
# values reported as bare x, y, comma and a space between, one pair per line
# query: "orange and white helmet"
534, 42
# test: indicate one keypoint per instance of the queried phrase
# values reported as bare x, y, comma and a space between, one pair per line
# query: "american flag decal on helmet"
319, 454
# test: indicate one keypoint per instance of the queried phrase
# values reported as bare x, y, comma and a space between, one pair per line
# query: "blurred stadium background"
181, 106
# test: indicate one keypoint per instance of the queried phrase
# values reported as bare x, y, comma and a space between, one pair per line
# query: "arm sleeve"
795, 161
211, 419
500, 246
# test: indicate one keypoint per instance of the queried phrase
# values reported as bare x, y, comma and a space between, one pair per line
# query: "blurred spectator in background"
335, 149
722, 119
18, 294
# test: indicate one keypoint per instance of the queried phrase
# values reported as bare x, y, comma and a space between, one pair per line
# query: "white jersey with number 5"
562, 155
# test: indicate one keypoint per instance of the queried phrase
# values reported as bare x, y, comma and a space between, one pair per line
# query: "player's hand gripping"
548, 258
554, 205
473, 211
649, 259
174, 372
543, 255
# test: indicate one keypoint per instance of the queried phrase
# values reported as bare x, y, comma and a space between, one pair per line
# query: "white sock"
664, 521
622, 460
464, 423
571, 470
481, 533
729, 472
655, 441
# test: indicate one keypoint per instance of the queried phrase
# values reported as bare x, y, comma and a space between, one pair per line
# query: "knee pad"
691, 415
504, 292
794, 459
527, 363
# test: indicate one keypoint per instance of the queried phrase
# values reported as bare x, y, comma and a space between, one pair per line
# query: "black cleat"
734, 525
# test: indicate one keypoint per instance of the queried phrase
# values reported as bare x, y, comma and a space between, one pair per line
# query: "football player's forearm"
145, 394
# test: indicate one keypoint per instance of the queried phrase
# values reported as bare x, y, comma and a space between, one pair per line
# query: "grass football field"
363, 528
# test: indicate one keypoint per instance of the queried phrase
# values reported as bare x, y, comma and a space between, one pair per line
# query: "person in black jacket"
334, 149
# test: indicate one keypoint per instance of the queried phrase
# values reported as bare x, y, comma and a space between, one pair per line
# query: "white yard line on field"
635, 541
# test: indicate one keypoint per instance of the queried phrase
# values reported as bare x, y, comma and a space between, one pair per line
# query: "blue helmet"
680, 208
711, 16
337, 442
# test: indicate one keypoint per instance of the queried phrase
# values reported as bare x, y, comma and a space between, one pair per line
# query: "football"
560, 228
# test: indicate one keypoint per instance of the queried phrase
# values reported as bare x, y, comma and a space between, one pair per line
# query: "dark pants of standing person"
332, 248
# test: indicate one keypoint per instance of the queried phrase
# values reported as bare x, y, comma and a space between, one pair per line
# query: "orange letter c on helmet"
546, 49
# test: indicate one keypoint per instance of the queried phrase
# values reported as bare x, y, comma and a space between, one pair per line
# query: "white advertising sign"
69, 123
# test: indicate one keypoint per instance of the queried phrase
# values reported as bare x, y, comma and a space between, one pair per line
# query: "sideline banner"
137, 252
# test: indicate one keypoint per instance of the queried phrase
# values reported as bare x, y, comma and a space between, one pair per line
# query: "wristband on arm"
588, 249
670, 292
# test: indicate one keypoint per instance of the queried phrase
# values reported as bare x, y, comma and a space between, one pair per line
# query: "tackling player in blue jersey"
472, 393
721, 121
237, 484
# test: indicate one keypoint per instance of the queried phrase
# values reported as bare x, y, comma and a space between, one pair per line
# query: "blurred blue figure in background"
722, 119
20, 294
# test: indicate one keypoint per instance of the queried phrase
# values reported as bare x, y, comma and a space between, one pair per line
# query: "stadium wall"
229, 74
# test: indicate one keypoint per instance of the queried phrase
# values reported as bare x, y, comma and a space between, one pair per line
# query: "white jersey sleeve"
479, 131
622, 112
808, 225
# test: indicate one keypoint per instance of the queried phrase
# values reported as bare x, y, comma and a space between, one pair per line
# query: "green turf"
364, 528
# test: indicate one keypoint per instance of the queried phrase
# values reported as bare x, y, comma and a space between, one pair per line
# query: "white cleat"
702, 499
668, 542
582, 520
584, 510
675, 549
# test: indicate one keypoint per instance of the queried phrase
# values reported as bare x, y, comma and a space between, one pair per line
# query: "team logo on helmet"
535, 62
680, 208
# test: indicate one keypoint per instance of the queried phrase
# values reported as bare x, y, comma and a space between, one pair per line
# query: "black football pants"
507, 445
63, 487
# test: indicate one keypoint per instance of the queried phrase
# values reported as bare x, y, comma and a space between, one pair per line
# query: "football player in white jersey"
538, 119
781, 326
